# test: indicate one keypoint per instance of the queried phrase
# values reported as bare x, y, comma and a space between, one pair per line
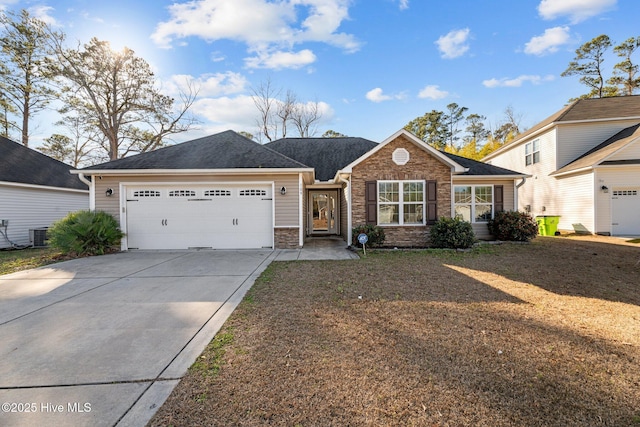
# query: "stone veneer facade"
287, 238
421, 166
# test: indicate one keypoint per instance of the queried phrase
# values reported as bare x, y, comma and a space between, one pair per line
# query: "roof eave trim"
489, 177
234, 171
43, 187
571, 171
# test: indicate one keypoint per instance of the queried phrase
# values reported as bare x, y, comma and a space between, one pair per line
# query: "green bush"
452, 233
513, 225
374, 233
85, 233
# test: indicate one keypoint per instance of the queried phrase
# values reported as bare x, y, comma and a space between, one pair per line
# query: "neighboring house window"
532, 152
401, 202
473, 203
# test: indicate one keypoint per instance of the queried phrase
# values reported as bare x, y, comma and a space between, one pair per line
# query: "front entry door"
324, 212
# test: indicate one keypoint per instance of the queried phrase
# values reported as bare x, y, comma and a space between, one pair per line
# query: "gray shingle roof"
325, 155
225, 150
23, 165
615, 107
603, 150
477, 168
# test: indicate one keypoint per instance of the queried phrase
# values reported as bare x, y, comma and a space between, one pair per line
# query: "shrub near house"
452, 233
513, 225
86, 233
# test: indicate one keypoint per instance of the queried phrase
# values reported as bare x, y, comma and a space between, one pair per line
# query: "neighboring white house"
584, 163
35, 191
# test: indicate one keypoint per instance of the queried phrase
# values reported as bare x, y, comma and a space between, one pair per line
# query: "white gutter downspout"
348, 198
302, 232
515, 198
92, 191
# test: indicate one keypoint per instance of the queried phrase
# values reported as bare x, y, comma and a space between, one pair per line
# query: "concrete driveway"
102, 341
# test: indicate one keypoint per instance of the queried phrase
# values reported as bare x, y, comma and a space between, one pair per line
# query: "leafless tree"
264, 98
305, 117
275, 115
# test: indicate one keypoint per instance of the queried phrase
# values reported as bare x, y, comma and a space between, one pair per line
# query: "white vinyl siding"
27, 208
630, 152
575, 203
576, 139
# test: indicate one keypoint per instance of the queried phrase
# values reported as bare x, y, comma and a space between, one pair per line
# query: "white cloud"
239, 113
279, 60
549, 42
377, 95
576, 10
208, 85
517, 82
404, 4
270, 26
454, 44
432, 92
42, 13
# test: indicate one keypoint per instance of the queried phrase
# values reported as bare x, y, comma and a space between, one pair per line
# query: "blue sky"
373, 65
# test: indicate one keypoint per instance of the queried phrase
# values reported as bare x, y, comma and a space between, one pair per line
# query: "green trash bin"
547, 224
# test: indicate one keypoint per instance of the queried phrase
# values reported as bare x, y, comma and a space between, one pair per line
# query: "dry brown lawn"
544, 334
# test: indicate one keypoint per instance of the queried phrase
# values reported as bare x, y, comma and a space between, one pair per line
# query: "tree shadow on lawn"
566, 266
425, 345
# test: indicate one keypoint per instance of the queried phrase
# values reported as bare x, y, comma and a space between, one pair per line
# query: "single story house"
35, 191
584, 163
225, 191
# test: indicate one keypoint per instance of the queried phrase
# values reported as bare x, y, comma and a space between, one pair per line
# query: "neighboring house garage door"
625, 205
198, 216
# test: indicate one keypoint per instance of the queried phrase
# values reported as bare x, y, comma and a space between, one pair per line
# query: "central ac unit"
38, 237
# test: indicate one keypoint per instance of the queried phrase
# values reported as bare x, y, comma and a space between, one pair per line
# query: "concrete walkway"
318, 248
102, 341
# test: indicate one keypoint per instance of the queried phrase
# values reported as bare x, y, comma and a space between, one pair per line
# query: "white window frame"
532, 152
401, 202
473, 203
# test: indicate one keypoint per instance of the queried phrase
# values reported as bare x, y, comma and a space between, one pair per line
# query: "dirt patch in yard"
543, 334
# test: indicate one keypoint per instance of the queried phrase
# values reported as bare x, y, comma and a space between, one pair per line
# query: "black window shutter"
498, 198
371, 201
432, 202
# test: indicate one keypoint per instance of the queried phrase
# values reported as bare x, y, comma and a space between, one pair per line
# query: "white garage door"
199, 216
625, 206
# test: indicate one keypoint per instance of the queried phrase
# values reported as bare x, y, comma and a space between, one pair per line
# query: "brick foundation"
287, 238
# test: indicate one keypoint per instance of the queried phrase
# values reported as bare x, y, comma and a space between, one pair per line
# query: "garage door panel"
182, 217
625, 205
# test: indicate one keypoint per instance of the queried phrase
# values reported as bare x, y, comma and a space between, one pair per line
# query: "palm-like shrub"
85, 233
